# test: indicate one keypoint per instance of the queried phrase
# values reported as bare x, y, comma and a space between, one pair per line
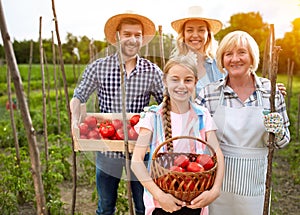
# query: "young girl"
177, 115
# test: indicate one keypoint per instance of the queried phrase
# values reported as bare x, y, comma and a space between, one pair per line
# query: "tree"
290, 45
253, 24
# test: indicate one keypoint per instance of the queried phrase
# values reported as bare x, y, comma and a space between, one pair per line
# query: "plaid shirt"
209, 97
103, 76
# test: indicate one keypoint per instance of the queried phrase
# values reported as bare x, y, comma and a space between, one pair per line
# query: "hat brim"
112, 23
215, 25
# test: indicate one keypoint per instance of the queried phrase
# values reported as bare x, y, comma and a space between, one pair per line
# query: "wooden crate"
101, 144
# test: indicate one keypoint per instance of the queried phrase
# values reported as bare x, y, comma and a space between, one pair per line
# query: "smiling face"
237, 61
180, 82
131, 37
196, 34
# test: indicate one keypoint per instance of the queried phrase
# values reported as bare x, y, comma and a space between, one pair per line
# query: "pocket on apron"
244, 176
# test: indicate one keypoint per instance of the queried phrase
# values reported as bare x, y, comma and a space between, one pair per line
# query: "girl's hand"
169, 203
204, 199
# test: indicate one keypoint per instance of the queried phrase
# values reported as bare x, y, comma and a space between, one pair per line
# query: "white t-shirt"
181, 126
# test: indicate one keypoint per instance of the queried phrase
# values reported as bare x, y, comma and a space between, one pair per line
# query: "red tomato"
91, 121
83, 136
120, 134
206, 161
106, 122
132, 135
194, 167
117, 123
177, 169
182, 161
107, 131
113, 137
93, 134
83, 128
134, 119
14, 106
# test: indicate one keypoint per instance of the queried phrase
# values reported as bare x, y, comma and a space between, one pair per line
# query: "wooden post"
290, 68
271, 141
30, 131
298, 121
267, 57
161, 47
29, 73
55, 82
127, 165
68, 108
43, 95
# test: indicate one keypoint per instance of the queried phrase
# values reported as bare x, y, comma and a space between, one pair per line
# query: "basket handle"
181, 137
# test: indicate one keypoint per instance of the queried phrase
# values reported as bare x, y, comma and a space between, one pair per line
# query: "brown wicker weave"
183, 185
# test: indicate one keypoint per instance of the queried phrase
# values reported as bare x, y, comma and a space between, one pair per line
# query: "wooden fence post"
30, 131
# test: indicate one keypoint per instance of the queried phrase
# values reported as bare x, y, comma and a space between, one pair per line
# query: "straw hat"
112, 23
196, 13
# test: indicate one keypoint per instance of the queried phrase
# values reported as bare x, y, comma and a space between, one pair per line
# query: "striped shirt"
103, 76
209, 97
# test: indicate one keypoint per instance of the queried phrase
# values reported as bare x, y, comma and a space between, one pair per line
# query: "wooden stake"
55, 82
290, 68
68, 108
29, 73
271, 141
30, 131
267, 57
127, 166
43, 95
161, 47
298, 121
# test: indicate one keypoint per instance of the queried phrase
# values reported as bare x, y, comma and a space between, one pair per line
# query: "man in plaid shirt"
143, 79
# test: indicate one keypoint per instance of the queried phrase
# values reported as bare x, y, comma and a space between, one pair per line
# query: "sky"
88, 17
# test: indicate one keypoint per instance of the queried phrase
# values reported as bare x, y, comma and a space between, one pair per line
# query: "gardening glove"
274, 123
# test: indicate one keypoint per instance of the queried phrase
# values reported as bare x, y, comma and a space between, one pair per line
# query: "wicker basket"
183, 185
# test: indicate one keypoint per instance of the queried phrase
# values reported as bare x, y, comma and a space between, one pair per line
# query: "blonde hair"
209, 48
237, 38
190, 64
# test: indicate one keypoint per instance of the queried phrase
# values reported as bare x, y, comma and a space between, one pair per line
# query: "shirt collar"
258, 84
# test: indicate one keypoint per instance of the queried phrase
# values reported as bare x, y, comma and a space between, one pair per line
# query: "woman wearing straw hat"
143, 79
196, 38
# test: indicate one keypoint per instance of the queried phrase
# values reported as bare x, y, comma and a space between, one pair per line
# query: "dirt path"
287, 193
84, 202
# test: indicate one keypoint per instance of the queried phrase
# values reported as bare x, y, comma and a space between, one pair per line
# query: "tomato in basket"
194, 167
206, 161
182, 161
177, 169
